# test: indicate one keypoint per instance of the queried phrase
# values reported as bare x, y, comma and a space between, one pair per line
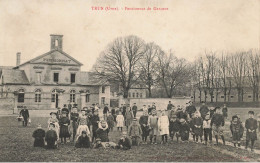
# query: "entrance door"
57, 100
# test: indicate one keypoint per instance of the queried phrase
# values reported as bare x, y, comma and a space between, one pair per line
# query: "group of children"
180, 122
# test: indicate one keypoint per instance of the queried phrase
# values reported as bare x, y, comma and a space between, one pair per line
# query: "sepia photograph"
129, 81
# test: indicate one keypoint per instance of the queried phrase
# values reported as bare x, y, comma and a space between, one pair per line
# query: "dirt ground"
16, 144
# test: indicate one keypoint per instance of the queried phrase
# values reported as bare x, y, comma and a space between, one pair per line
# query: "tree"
119, 62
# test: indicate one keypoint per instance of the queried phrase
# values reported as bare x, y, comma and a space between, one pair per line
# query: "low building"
52, 80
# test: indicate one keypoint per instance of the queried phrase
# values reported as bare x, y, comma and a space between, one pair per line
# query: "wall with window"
104, 95
137, 93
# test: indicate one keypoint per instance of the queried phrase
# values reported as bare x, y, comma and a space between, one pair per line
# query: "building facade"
52, 80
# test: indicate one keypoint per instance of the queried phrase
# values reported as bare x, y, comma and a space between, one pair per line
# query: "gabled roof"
88, 78
48, 53
11, 76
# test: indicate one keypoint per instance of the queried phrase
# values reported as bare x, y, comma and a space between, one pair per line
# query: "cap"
251, 112
53, 113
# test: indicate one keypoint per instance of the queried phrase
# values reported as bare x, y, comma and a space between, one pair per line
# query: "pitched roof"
88, 78
11, 76
45, 54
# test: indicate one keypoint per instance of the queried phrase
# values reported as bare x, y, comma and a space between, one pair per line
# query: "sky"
188, 27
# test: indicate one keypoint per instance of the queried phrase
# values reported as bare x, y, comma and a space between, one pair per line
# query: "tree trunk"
150, 92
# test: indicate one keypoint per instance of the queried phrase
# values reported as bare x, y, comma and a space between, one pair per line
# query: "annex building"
50, 81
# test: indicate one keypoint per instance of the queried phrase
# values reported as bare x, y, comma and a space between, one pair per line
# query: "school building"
50, 81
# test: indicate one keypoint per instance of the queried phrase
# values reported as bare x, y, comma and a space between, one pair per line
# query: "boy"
83, 123
102, 131
110, 121
163, 125
64, 123
153, 125
135, 132
225, 111
217, 123
124, 143
74, 115
83, 141
134, 108
235, 127
184, 130
38, 136
94, 122
51, 137
143, 121
207, 129
203, 110
174, 128
120, 121
197, 124
251, 126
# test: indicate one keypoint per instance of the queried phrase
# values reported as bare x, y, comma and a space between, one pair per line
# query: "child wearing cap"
38, 136
207, 129
153, 125
124, 142
174, 127
120, 121
110, 121
135, 132
83, 141
197, 126
94, 122
236, 127
251, 127
217, 124
64, 123
163, 126
102, 131
143, 121
51, 137
184, 130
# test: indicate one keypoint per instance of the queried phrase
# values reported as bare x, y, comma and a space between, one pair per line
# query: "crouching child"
124, 142
38, 136
135, 132
51, 137
83, 141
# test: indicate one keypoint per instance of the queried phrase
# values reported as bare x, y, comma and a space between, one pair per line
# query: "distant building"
52, 80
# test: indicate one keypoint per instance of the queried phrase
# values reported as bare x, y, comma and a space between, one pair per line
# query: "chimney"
18, 58
56, 42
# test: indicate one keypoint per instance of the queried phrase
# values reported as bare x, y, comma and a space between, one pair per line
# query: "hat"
251, 112
82, 110
235, 116
53, 113
182, 120
83, 132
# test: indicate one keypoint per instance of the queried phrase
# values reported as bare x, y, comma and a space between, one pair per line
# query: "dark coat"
218, 120
105, 110
24, 113
181, 115
174, 126
251, 124
134, 108
126, 143
190, 110
184, 131
94, 122
203, 111
38, 135
74, 117
199, 123
110, 121
64, 129
82, 142
225, 112
103, 134
51, 135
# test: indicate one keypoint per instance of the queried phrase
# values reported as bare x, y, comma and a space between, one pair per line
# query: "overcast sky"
188, 27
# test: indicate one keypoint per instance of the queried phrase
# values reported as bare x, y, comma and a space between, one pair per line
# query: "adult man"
105, 111
134, 108
225, 111
203, 110
124, 110
143, 121
191, 109
169, 106
25, 113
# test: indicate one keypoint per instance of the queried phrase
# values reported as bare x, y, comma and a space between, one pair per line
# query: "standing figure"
153, 125
203, 110
102, 131
184, 130
51, 137
169, 106
150, 109
225, 111
66, 110
53, 119
38, 136
163, 126
110, 121
207, 129
135, 132
74, 116
143, 121
197, 126
191, 109
217, 124
64, 123
251, 127
120, 121
94, 122
113, 112
174, 128
25, 114
236, 127
83, 123
124, 110
128, 117
134, 108
105, 111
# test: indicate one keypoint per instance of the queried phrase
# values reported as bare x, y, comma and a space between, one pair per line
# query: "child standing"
197, 124
207, 129
184, 130
153, 124
217, 123
38, 136
94, 122
251, 126
64, 127
120, 121
135, 132
174, 127
163, 126
51, 137
143, 121
110, 121
236, 129
53, 119
74, 115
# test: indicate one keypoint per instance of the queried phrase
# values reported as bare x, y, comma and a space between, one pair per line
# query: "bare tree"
119, 62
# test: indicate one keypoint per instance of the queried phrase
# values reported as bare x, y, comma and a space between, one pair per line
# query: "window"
54, 95
21, 95
231, 96
133, 95
38, 95
72, 78
212, 96
87, 97
141, 95
72, 95
129, 94
137, 95
249, 96
103, 89
38, 77
222, 96
191, 97
56, 77
103, 100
